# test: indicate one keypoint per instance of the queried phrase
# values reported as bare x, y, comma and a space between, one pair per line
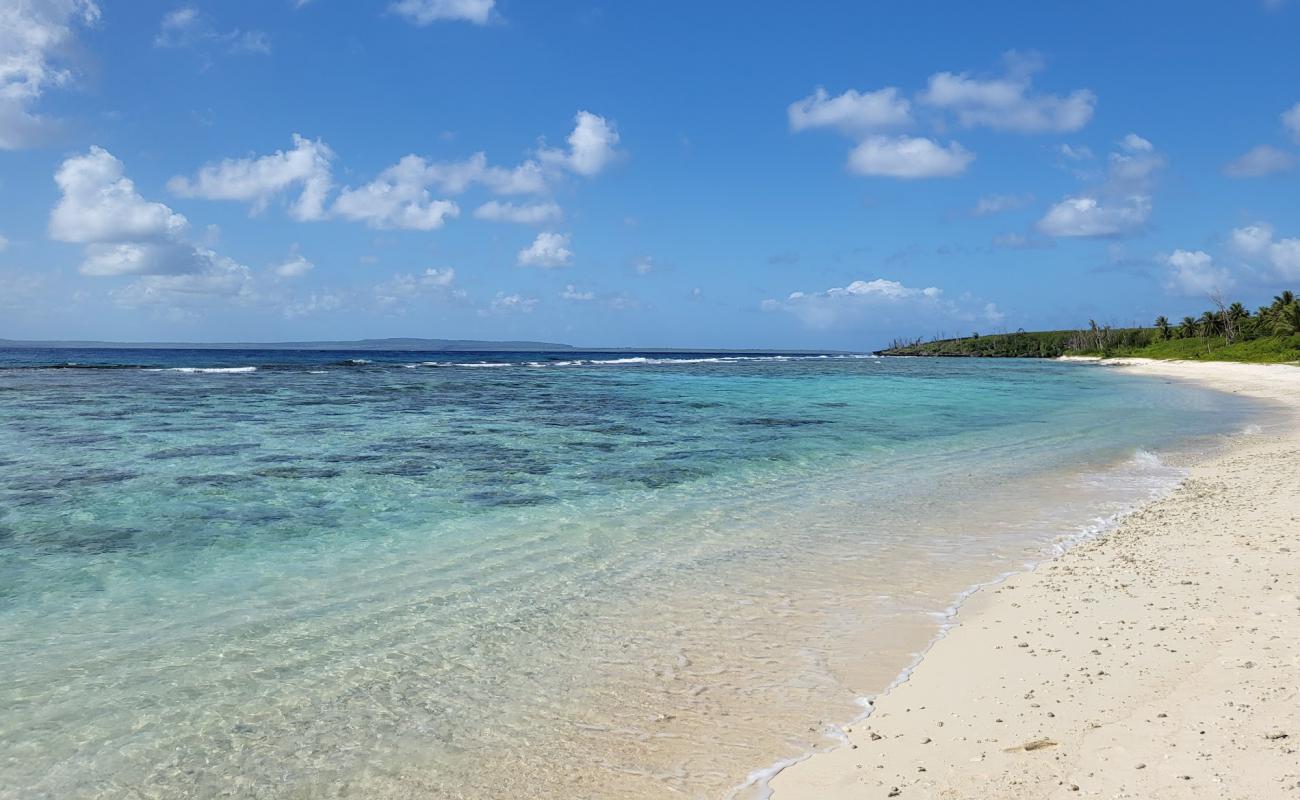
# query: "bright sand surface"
1159, 660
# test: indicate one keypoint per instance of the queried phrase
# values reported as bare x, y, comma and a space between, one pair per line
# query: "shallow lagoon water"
263, 574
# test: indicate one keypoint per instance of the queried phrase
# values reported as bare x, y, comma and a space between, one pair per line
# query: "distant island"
1228, 332
397, 345
358, 344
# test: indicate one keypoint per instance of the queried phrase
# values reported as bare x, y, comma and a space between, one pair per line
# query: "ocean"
274, 574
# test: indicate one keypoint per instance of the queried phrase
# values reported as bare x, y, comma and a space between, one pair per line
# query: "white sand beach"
1159, 660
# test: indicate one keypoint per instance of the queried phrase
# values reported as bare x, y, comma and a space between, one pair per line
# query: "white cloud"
571, 293
1076, 153
176, 25
1259, 161
125, 234
1291, 121
853, 113
455, 177
1119, 205
403, 287
527, 214
257, 180
4, 243
1088, 217
644, 266
100, 204
33, 36
399, 196
142, 258
506, 303
1256, 242
1136, 144
1135, 163
295, 266
1009, 103
426, 12
1195, 273
886, 303
990, 204
548, 250
186, 26
215, 277
396, 199
591, 146
1252, 240
1285, 257
908, 157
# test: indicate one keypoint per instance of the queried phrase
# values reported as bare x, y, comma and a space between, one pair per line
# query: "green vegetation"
1229, 332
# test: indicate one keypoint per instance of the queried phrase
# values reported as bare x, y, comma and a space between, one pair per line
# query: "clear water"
287, 574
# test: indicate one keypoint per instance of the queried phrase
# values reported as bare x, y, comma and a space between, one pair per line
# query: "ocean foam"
207, 370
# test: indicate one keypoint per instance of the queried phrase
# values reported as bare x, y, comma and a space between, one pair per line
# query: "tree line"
1226, 330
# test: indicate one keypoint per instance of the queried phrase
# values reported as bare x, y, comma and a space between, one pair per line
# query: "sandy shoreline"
1160, 660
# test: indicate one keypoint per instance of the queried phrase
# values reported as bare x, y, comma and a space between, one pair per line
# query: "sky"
678, 174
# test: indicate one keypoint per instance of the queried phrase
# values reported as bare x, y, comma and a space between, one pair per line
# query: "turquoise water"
267, 574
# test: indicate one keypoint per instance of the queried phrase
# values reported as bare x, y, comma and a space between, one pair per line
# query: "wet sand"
1159, 660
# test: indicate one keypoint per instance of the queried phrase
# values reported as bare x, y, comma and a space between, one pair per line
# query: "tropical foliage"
1227, 332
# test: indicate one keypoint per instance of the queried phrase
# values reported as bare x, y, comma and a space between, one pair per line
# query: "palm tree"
1288, 319
1209, 323
1281, 301
1187, 329
1162, 325
1237, 311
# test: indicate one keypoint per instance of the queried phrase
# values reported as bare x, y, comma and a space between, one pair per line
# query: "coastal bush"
1227, 332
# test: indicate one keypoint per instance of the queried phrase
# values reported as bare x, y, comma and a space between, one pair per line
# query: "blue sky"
638, 174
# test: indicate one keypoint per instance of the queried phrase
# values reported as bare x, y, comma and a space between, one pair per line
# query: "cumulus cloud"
34, 35
1258, 162
1089, 217
455, 177
1257, 243
548, 251
510, 303
834, 306
125, 234
591, 146
257, 180
853, 113
1291, 121
427, 12
100, 204
1009, 102
527, 214
1193, 272
399, 197
216, 277
908, 157
1119, 205
396, 199
295, 266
